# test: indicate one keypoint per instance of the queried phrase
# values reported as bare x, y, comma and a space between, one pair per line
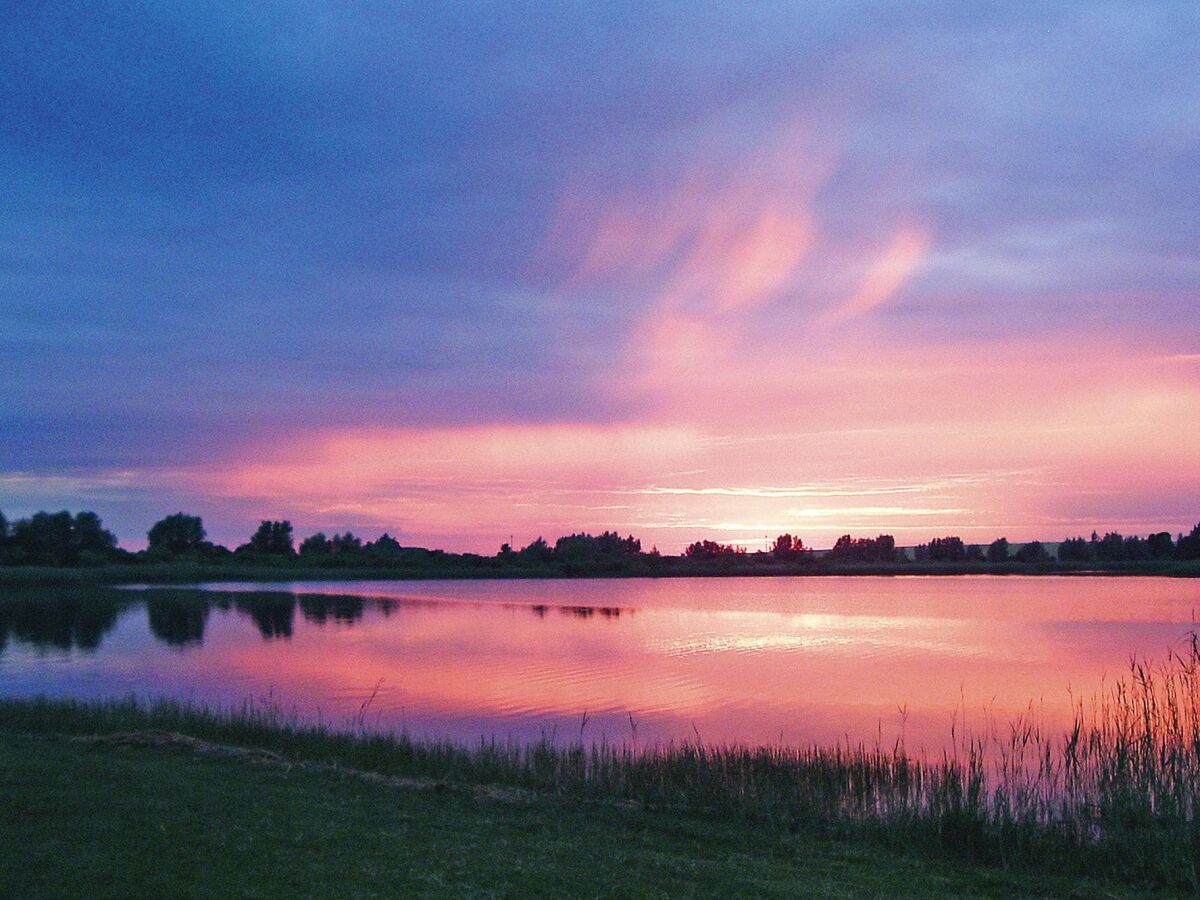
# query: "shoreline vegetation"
122, 816
171, 573
1113, 797
65, 547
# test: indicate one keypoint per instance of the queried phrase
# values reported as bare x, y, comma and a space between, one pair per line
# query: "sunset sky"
474, 271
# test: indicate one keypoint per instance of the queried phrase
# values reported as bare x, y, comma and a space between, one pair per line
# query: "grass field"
101, 819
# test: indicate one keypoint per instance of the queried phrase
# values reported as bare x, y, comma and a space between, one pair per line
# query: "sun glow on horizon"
977, 476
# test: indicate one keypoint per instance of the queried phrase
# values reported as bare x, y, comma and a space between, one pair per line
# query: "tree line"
80, 539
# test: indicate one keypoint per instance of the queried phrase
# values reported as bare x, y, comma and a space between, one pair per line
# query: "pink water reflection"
752, 660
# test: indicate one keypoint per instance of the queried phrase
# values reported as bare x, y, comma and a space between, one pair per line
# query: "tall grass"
1116, 794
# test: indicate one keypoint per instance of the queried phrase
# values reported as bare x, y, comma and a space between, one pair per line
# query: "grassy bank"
199, 573
99, 819
1114, 798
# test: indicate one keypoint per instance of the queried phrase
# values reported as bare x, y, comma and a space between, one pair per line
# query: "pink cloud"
978, 440
885, 277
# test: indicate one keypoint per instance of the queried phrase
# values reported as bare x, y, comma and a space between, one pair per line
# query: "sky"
472, 273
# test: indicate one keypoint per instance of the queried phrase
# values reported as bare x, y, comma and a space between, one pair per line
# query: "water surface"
752, 660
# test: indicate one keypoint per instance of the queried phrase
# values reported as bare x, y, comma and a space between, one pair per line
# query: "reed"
1114, 795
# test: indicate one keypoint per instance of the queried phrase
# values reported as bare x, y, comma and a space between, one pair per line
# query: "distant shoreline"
198, 573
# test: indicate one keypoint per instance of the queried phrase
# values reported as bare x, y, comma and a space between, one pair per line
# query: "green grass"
95, 820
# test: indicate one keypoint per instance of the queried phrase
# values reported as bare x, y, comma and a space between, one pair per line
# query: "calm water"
752, 660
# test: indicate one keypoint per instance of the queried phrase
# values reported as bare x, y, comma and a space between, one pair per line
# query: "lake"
753, 660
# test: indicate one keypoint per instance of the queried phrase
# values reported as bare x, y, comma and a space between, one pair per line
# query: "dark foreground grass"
98, 819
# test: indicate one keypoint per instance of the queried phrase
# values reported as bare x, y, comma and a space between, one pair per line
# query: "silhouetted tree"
1075, 550
842, 547
1160, 545
1032, 552
607, 545
997, 551
1136, 548
344, 544
273, 537
848, 549
7, 554
90, 536
60, 539
1188, 546
1110, 548
315, 545
712, 550
788, 548
385, 547
175, 534
536, 551
885, 548
947, 549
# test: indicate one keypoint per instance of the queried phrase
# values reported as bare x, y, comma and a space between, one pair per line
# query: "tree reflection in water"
57, 619
72, 618
178, 617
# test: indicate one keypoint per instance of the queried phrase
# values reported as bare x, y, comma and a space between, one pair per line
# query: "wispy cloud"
885, 278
